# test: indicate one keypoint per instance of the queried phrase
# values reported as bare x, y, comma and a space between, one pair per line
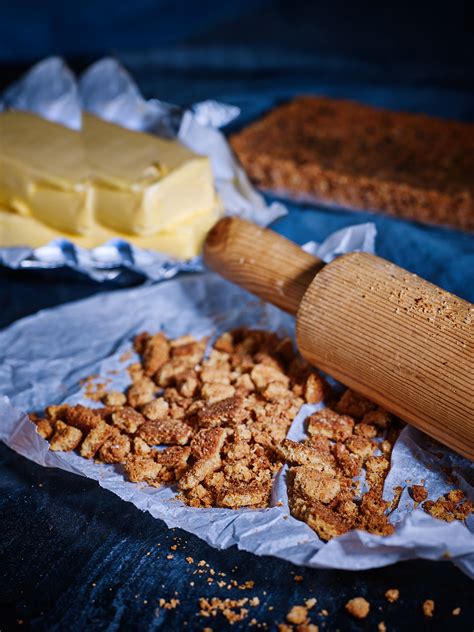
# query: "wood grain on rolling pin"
383, 331
270, 266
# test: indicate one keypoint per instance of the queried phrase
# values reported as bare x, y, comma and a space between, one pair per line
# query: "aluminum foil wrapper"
91, 337
106, 89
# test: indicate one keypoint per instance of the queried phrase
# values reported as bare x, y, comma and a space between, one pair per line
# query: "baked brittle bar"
343, 153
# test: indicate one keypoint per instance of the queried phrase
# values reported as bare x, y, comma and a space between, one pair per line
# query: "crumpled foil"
106, 89
91, 336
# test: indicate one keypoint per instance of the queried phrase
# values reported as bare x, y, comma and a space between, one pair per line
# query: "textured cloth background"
73, 556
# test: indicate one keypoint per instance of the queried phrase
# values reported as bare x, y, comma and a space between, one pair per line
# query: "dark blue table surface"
75, 557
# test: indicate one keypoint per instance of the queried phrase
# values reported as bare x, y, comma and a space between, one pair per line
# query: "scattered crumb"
419, 493
381, 627
169, 605
232, 609
297, 615
456, 612
428, 607
392, 595
451, 506
298, 578
358, 607
126, 356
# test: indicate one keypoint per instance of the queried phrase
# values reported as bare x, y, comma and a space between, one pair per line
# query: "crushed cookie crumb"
169, 605
358, 607
392, 595
451, 506
428, 607
297, 615
419, 493
224, 410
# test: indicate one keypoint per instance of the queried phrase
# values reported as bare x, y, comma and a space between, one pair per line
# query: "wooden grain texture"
260, 261
399, 340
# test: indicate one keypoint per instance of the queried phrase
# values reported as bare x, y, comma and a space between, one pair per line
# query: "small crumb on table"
428, 607
358, 607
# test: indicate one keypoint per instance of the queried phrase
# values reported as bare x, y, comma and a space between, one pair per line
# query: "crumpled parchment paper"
106, 89
43, 357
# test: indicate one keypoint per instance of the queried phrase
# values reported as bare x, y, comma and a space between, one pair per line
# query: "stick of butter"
184, 240
44, 172
144, 184
102, 182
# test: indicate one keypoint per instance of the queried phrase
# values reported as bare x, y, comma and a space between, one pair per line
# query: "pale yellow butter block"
144, 184
183, 241
44, 172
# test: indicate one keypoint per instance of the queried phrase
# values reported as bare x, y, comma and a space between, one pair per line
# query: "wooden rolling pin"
380, 330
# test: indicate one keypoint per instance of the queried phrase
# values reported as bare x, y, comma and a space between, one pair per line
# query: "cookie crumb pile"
213, 417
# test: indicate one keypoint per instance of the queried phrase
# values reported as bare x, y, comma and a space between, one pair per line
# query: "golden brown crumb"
155, 352
297, 615
231, 609
419, 493
252, 494
140, 447
392, 594
330, 424
114, 398
169, 605
300, 454
229, 411
116, 448
451, 506
56, 412
456, 612
141, 392
165, 431
65, 438
361, 446
95, 439
80, 417
314, 389
381, 627
428, 607
325, 521
44, 428
156, 409
308, 482
358, 607
354, 405
397, 492
142, 468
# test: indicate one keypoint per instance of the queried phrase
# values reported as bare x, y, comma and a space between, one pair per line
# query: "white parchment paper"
43, 357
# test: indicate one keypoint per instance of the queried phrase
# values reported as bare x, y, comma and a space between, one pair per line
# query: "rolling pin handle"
261, 261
